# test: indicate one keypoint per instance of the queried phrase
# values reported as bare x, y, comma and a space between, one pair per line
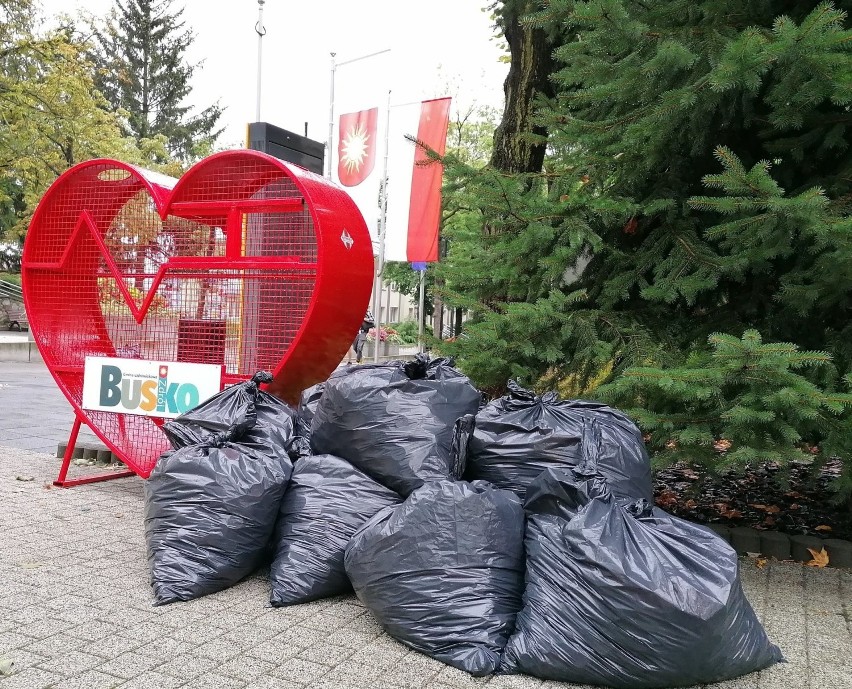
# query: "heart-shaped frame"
246, 261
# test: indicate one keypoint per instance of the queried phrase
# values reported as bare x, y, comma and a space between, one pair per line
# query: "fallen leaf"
690, 474
24, 478
690, 504
666, 499
761, 562
793, 494
29, 565
757, 507
823, 527
722, 445
820, 558
773, 509
47, 486
671, 445
769, 521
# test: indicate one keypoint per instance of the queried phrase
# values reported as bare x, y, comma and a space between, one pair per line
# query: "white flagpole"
422, 312
334, 66
328, 147
383, 199
260, 29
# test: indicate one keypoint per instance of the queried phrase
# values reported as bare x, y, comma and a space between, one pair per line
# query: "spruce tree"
697, 183
141, 52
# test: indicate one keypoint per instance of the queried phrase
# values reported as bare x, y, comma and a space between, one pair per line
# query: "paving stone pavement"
75, 610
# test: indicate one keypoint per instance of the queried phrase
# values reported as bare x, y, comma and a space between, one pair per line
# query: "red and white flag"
356, 146
360, 141
358, 138
414, 180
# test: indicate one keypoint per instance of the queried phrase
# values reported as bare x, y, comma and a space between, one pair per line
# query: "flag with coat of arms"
413, 211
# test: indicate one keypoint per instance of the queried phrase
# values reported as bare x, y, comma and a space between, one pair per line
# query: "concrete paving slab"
75, 603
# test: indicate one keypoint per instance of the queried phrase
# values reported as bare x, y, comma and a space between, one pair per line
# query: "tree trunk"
531, 64
437, 317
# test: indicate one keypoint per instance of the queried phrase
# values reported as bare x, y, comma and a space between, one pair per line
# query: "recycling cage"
247, 261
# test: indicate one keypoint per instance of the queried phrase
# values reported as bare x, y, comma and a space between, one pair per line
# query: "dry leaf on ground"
820, 558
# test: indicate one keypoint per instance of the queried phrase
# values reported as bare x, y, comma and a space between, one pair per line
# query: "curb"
781, 546
94, 454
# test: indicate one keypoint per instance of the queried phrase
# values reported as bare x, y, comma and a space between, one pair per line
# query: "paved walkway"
75, 604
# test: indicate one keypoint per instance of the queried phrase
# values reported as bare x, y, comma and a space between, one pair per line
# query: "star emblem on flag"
356, 146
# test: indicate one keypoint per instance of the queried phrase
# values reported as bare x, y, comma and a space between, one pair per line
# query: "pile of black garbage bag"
517, 536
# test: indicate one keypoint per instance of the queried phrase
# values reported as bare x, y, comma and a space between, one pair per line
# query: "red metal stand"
63, 482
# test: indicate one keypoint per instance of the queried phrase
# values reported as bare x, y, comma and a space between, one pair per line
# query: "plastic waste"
300, 445
627, 596
516, 437
443, 572
326, 502
210, 507
395, 421
272, 431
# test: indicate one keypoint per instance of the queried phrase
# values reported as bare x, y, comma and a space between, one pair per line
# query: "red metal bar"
216, 208
234, 234
63, 482
238, 263
69, 452
96, 478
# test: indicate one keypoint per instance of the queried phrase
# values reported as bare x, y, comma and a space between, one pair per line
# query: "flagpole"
334, 66
330, 118
421, 326
260, 29
383, 199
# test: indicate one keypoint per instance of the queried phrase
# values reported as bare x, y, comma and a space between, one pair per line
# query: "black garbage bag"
518, 436
272, 432
443, 572
395, 421
300, 445
210, 510
627, 596
327, 501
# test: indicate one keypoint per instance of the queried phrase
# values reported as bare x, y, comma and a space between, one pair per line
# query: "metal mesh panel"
226, 277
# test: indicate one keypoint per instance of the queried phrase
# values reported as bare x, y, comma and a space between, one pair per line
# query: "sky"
438, 48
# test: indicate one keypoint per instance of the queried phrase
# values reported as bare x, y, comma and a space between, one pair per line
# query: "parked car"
14, 316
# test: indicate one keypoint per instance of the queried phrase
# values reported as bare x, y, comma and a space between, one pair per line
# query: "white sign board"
165, 389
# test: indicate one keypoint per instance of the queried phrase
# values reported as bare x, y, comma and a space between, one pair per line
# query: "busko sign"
148, 388
246, 263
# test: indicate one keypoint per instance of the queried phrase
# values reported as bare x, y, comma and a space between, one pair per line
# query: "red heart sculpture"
246, 261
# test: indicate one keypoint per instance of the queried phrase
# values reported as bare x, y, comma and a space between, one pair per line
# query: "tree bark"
437, 317
532, 62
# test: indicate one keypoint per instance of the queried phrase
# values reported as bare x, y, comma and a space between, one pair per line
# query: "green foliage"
698, 181
141, 55
51, 115
742, 403
406, 331
405, 280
